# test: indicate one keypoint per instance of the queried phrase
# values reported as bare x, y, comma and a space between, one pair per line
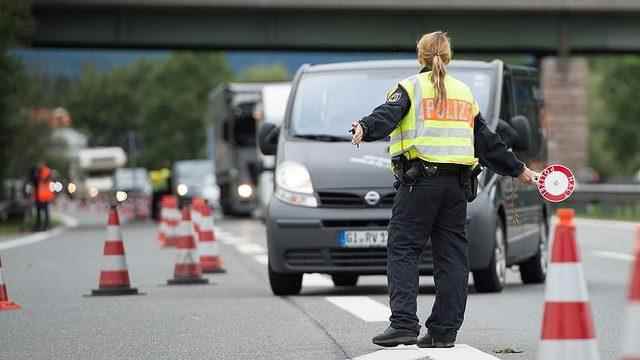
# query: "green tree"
614, 125
162, 102
264, 73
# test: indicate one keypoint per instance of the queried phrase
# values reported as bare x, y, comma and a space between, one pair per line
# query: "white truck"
92, 171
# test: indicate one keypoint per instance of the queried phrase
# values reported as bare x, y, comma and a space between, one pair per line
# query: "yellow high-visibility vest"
442, 134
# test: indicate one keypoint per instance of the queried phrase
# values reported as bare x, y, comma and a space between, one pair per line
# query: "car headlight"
245, 191
182, 189
121, 196
294, 185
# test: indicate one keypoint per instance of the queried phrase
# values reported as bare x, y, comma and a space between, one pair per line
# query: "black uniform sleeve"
492, 151
381, 122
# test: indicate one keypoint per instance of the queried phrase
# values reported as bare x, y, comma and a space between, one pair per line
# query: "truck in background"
93, 169
270, 109
231, 116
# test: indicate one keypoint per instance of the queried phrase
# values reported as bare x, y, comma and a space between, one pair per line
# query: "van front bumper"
305, 240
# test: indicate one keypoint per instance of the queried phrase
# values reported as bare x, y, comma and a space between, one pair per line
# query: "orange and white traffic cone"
187, 269
163, 226
173, 218
567, 326
197, 204
631, 337
5, 303
210, 258
114, 275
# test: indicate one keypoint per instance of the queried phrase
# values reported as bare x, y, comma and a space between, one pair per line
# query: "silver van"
332, 201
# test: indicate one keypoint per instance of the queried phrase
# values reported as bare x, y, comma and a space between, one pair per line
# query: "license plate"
371, 238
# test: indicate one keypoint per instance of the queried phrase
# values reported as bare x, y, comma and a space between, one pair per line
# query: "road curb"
68, 223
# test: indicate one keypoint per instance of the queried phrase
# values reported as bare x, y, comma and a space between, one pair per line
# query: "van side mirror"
268, 135
521, 124
517, 134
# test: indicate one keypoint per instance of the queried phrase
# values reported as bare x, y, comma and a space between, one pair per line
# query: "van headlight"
293, 185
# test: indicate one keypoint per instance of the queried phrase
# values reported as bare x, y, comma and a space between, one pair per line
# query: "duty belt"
423, 168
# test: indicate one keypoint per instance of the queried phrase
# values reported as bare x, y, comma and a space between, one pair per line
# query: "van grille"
345, 257
351, 200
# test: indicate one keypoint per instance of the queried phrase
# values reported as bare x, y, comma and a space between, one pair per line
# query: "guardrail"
606, 194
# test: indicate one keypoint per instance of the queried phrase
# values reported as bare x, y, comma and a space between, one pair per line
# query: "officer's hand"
356, 138
528, 176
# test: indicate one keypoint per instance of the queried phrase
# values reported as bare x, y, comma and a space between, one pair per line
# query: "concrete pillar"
564, 86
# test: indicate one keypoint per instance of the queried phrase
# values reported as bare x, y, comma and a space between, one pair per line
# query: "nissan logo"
372, 198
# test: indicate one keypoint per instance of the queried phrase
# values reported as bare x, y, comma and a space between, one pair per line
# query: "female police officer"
437, 135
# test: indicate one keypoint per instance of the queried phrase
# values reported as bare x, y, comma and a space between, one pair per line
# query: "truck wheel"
344, 279
534, 270
285, 284
493, 277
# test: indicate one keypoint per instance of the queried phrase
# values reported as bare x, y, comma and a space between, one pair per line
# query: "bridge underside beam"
191, 28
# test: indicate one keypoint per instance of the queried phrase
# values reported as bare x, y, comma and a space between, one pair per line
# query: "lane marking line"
362, 307
316, 280
262, 259
459, 352
613, 255
250, 248
30, 239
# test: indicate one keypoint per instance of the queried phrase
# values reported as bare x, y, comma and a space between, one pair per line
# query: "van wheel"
344, 279
493, 277
285, 284
534, 270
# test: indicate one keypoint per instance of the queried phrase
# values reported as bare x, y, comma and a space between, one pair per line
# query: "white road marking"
613, 255
30, 239
262, 259
316, 280
362, 307
459, 352
226, 237
250, 248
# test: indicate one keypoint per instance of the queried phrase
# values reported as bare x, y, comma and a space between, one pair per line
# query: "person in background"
43, 196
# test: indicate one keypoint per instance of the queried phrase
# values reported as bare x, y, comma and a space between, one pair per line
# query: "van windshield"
326, 103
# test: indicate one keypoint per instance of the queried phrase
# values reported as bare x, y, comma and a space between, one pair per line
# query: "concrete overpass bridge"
542, 28
539, 27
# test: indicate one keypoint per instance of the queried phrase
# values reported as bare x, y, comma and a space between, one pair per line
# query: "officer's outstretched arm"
493, 152
384, 118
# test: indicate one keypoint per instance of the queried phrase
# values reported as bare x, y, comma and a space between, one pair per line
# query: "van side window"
526, 90
505, 103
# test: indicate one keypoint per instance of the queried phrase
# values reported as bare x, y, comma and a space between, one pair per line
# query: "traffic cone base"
187, 281
114, 291
9, 305
211, 265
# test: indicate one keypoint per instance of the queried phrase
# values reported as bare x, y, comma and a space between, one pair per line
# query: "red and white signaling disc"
556, 183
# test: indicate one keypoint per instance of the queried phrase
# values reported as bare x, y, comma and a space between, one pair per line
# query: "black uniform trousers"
435, 207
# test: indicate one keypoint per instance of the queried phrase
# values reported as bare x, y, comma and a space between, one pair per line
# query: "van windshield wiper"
323, 137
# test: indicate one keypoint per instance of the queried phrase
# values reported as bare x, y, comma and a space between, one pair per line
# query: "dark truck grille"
344, 257
351, 200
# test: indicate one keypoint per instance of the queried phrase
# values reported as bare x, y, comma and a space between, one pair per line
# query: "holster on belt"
470, 182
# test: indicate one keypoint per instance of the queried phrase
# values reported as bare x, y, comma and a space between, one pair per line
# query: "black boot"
428, 341
394, 337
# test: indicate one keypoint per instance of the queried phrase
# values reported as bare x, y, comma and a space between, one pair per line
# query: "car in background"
195, 178
333, 200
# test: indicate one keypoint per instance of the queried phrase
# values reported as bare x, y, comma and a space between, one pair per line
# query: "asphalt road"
237, 317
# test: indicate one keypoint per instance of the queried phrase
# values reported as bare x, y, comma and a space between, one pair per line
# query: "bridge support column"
565, 112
